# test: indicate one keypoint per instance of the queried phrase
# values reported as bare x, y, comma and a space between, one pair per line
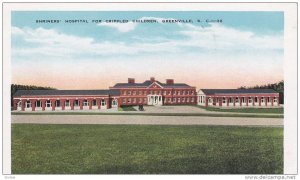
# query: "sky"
245, 49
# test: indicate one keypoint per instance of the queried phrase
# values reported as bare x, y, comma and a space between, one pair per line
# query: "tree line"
279, 87
15, 87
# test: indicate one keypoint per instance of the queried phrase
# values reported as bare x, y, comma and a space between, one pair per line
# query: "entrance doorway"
155, 100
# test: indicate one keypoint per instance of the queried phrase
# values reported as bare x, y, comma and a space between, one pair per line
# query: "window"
124, 92
178, 99
192, 92
114, 102
170, 99
151, 92
230, 100
57, 103
28, 104
124, 101
237, 100
224, 100
256, 99
174, 92
134, 100
140, 92
165, 92
243, 99
85, 103
249, 99
174, 99
140, 100
192, 100
155, 92
129, 92
145, 100
94, 102
76, 103
159, 92
178, 93
187, 99
188, 92
262, 99
183, 99
48, 103
38, 104
269, 99
134, 93
129, 100
145, 92
103, 103
67, 103
183, 92
275, 99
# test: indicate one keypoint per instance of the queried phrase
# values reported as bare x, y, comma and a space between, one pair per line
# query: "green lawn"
127, 108
246, 110
144, 149
258, 115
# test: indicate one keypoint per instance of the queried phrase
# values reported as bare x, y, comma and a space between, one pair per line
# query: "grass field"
144, 149
245, 110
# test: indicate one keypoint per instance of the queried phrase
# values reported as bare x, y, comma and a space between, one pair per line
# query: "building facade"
238, 97
150, 92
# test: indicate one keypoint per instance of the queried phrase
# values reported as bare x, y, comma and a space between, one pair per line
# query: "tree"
279, 87
16, 87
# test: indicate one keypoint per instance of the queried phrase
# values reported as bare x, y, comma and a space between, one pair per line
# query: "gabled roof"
148, 83
66, 92
237, 91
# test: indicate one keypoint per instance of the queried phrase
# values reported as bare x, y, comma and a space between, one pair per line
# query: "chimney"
170, 81
131, 81
152, 79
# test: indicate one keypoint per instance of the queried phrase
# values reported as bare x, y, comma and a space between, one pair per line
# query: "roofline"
57, 96
190, 87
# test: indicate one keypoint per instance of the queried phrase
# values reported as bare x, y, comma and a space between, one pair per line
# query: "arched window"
94, 102
237, 100
76, 103
249, 99
28, 104
103, 103
114, 102
38, 103
48, 103
67, 103
57, 103
85, 102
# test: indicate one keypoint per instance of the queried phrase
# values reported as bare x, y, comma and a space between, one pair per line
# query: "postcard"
150, 88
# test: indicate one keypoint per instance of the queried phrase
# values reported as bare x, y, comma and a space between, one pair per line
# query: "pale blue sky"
244, 43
